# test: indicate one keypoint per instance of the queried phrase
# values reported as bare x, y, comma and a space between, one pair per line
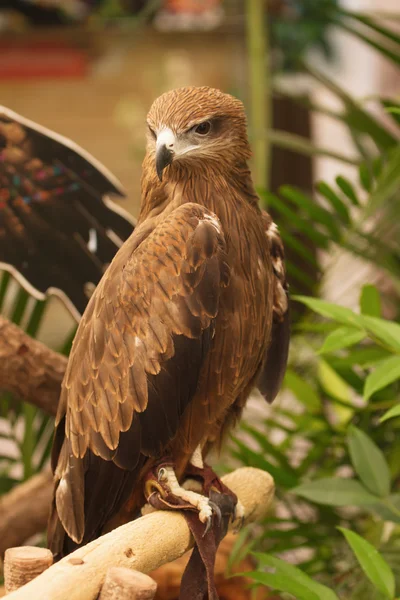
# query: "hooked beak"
164, 157
164, 150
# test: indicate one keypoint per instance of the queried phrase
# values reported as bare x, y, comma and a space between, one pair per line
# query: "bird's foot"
167, 493
202, 478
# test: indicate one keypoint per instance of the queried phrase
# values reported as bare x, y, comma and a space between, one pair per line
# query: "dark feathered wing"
58, 229
273, 370
134, 365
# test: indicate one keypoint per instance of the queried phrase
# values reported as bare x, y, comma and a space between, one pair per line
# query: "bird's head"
196, 126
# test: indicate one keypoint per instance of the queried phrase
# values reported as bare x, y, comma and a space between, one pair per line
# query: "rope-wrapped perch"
143, 545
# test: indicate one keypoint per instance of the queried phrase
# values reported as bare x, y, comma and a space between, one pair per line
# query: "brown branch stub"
24, 511
144, 544
28, 369
128, 584
23, 564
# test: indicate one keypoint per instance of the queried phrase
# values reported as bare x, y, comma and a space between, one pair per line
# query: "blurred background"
320, 80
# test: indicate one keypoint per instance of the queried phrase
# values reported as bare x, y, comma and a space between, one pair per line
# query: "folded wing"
273, 370
135, 364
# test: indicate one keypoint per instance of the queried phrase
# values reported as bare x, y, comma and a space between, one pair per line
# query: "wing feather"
139, 349
274, 367
55, 218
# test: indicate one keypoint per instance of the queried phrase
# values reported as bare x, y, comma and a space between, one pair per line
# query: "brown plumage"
179, 329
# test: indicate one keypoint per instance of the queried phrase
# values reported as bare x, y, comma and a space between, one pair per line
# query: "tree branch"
24, 511
28, 369
144, 544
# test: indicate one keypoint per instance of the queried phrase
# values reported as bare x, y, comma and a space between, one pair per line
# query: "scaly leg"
195, 491
189, 492
196, 486
166, 476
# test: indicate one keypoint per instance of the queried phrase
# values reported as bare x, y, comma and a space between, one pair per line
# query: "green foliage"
284, 577
299, 27
372, 563
339, 432
287, 578
368, 462
333, 491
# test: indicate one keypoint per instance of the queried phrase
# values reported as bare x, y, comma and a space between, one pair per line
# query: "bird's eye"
203, 128
152, 132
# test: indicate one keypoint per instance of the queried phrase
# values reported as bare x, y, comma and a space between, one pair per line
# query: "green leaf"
283, 583
387, 183
388, 508
370, 301
295, 576
240, 548
391, 413
387, 51
282, 476
301, 249
365, 177
392, 108
338, 313
343, 337
302, 145
387, 332
7, 483
374, 24
5, 279
303, 391
21, 302
354, 115
333, 383
317, 213
347, 189
340, 208
334, 491
372, 563
365, 356
369, 462
386, 372
322, 240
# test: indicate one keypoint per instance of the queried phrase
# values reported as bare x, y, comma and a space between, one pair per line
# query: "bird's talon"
216, 510
162, 474
207, 527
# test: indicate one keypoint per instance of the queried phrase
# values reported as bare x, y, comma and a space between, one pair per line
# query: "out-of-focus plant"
298, 26
336, 458
337, 213
26, 433
333, 445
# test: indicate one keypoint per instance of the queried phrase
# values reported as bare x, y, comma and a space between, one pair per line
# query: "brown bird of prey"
189, 317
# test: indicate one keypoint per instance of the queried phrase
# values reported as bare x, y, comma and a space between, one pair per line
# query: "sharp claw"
217, 513
161, 474
216, 510
207, 527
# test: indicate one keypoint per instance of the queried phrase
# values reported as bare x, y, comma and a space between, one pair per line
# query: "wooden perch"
28, 369
23, 564
143, 545
24, 511
129, 585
